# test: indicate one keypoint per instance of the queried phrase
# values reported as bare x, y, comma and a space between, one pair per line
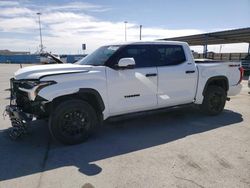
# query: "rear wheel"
214, 100
72, 121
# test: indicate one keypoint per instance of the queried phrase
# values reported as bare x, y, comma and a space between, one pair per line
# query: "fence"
221, 56
36, 59
20, 58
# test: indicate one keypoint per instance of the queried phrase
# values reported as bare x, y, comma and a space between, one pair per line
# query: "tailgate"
234, 73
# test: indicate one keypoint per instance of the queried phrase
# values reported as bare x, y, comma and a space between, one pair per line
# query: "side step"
147, 112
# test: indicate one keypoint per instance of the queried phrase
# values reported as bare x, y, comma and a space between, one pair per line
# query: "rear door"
135, 89
177, 76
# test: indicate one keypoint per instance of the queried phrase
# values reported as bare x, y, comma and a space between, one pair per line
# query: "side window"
141, 54
170, 55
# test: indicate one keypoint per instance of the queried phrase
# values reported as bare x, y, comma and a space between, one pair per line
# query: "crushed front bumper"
21, 110
15, 113
13, 110
19, 119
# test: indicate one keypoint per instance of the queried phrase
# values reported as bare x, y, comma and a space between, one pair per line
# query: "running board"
147, 112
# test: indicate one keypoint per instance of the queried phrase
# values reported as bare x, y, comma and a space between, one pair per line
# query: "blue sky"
66, 24
181, 14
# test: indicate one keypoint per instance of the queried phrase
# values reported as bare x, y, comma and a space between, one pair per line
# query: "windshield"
99, 56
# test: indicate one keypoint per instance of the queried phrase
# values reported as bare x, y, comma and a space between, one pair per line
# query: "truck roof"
150, 42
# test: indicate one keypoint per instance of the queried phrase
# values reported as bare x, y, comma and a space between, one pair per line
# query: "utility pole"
41, 40
249, 48
140, 31
125, 30
205, 47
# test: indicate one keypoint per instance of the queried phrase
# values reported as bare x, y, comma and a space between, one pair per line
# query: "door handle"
151, 74
190, 71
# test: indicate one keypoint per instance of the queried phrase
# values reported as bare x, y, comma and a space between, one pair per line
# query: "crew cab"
116, 80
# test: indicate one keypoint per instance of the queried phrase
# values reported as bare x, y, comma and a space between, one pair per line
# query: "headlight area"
33, 87
29, 100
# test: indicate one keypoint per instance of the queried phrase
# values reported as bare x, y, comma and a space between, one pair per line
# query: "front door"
135, 89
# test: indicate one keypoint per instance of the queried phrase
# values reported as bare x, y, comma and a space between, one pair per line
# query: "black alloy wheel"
72, 121
214, 100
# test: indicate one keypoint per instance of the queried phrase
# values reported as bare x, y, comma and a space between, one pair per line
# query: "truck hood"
38, 71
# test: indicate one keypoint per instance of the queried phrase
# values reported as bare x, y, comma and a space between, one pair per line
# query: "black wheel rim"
74, 123
216, 101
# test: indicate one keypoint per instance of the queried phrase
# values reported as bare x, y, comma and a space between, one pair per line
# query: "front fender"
75, 83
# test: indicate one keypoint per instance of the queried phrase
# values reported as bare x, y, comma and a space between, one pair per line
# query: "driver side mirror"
126, 63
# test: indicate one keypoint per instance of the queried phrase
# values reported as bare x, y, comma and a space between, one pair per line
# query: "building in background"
8, 52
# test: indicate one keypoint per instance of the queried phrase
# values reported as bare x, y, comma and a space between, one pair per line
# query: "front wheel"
214, 100
72, 121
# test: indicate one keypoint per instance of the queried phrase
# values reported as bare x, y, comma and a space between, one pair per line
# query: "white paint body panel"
209, 70
122, 85
175, 86
129, 90
71, 83
35, 72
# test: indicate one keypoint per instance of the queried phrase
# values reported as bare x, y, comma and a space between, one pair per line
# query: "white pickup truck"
116, 80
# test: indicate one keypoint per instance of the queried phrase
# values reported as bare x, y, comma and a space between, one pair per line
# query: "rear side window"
170, 55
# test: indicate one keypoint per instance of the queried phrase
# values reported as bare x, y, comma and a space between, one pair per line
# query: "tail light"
241, 74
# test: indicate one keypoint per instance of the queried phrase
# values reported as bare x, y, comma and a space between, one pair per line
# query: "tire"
72, 121
214, 100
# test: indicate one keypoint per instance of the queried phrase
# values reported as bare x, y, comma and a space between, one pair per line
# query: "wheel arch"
221, 81
89, 95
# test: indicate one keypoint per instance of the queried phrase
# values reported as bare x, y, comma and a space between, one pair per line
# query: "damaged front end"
25, 105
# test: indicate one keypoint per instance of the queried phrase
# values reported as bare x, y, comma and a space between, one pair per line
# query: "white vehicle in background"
117, 80
48, 58
63, 58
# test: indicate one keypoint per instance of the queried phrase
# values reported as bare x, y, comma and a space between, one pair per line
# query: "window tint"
169, 55
141, 54
151, 55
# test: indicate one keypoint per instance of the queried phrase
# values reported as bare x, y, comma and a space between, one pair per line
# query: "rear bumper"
234, 90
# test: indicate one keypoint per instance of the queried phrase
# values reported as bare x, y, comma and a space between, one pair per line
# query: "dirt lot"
181, 148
